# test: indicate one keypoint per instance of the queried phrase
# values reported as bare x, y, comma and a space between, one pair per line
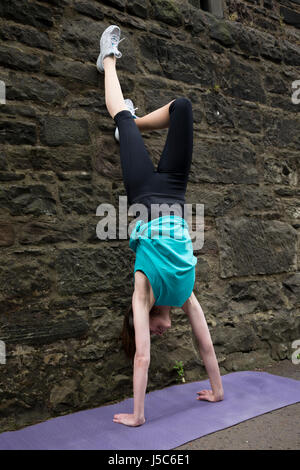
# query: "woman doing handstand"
164, 272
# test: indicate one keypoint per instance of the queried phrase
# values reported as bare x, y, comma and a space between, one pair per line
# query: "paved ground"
277, 430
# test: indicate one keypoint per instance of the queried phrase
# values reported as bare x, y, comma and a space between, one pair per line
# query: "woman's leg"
177, 153
113, 93
136, 164
158, 119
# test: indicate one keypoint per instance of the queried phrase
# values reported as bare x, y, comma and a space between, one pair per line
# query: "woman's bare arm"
141, 305
199, 326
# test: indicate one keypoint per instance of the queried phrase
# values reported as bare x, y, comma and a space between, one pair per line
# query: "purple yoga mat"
173, 416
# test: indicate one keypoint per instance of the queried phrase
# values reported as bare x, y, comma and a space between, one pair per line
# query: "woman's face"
159, 320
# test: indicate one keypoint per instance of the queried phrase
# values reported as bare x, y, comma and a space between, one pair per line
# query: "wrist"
219, 395
139, 419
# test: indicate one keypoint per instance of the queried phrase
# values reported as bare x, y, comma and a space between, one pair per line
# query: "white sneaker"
131, 108
109, 42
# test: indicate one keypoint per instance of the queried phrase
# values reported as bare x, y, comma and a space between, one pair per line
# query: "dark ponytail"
128, 334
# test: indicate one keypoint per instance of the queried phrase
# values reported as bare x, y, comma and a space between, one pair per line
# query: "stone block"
58, 130
250, 246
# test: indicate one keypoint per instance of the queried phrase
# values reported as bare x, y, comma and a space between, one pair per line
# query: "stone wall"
64, 291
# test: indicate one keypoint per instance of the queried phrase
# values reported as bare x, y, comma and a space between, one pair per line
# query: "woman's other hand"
209, 395
128, 419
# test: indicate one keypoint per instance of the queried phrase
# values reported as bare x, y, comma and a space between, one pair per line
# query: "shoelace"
115, 40
133, 111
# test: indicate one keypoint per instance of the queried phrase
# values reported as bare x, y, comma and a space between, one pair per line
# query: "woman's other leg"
137, 166
177, 153
114, 99
158, 119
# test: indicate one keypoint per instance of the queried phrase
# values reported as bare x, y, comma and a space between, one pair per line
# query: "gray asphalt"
277, 430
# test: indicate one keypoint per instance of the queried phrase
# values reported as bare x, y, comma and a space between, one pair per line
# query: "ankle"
109, 60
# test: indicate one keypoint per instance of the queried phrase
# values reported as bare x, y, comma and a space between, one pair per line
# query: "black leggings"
167, 184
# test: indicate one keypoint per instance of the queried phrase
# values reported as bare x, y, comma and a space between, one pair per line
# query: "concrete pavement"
277, 430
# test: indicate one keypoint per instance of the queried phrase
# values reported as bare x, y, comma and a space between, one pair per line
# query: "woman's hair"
128, 334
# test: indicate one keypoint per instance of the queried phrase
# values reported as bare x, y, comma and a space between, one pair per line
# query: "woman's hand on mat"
128, 419
209, 395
